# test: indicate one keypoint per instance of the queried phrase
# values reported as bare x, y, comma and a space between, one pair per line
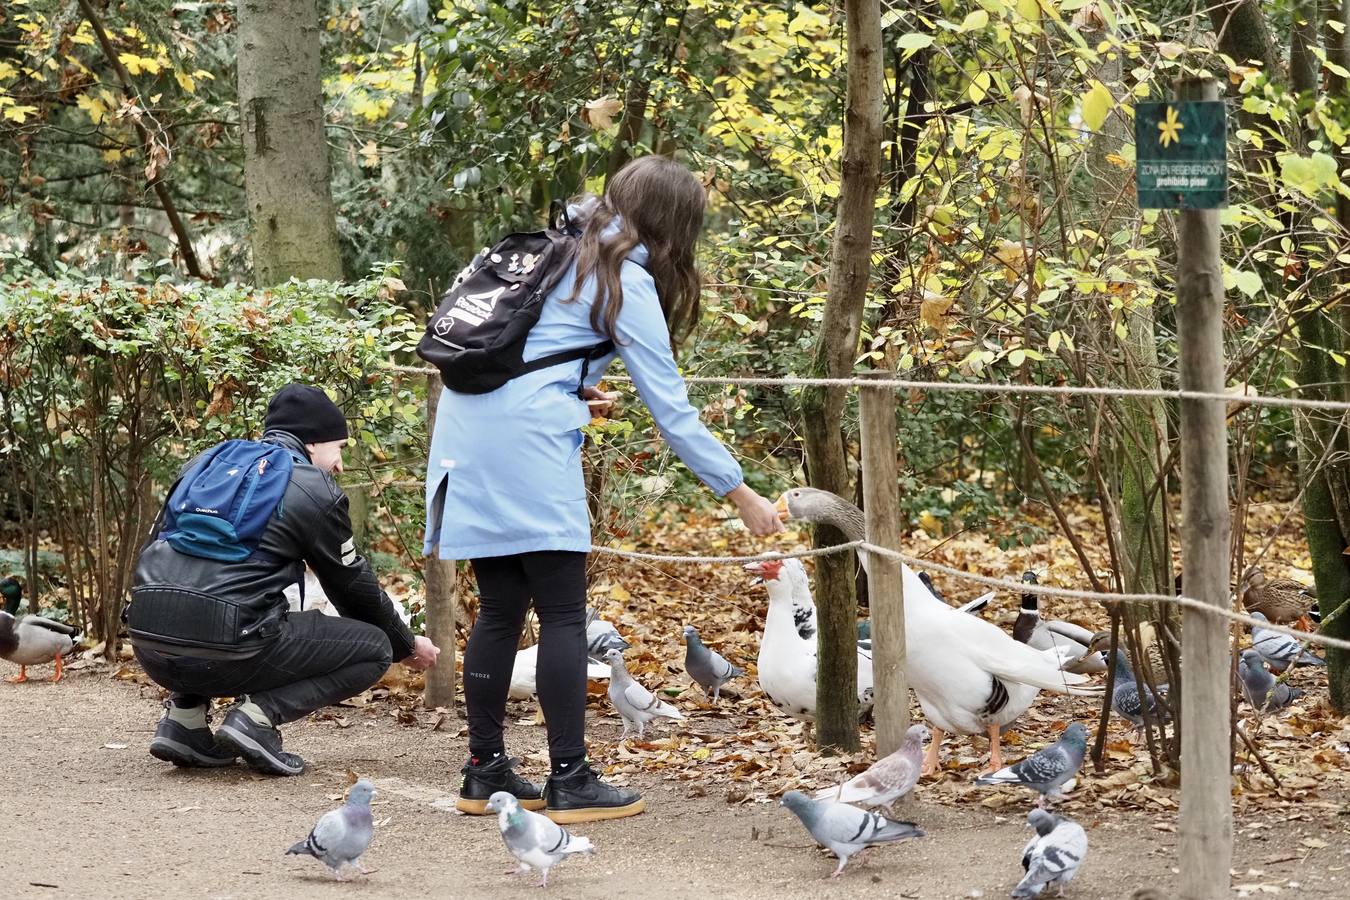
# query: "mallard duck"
1280, 600
11, 594
970, 676
1039, 634
33, 640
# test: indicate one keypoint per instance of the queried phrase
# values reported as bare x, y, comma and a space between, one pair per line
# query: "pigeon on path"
1132, 700
1260, 688
844, 829
537, 841
1281, 650
342, 834
634, 703
888, 779
1048, 769
705, 666
1053, 855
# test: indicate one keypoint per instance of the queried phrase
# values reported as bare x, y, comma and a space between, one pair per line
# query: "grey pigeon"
633, 702
1132, 700
1281, 650
342, 834
537, 841
1260, 688
705, 666
1053, 855
1047, 769
844, 829
888, 779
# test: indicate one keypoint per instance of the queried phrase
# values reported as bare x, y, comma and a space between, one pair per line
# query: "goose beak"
784, 514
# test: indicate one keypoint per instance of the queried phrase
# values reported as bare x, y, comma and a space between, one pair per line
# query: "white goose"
970, 676
787, 652
601, 636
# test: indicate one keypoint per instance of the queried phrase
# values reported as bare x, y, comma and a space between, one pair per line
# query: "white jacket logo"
471, 308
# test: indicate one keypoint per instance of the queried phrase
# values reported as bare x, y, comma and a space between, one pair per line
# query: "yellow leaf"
7, 71
600, 113
113, 156
619, 593
131, 61
930, 523
370, 155
932, 309
1097, 103
185, 82
18, 113
92, 105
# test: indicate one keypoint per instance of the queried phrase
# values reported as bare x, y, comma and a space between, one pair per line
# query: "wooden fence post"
885, 585
1206, 817
440, 599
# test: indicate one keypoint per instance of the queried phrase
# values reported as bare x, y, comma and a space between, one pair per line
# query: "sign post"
1180, 158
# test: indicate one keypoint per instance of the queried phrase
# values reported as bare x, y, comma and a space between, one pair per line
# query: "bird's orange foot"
18, 679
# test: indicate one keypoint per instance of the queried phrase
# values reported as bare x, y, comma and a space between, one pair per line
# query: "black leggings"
556, 581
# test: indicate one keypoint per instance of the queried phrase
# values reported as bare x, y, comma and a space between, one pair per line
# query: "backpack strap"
587, 355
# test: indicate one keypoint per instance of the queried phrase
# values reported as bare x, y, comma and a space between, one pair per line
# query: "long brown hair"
658, 203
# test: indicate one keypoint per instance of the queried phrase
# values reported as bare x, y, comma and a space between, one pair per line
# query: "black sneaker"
482, 781
581, 796
190, 748
259, 745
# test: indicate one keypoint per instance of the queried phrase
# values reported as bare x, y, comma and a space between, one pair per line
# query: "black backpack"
477, 335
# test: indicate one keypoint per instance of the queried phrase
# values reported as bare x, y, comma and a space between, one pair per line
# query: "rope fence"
978, 387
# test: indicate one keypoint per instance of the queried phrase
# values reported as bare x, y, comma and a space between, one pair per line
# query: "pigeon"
1046, 770
707, 667
537, 841
888, 779
1053, 855
1132, 700
1260, 688
633, 702
1281, 650
844, 829
342, 834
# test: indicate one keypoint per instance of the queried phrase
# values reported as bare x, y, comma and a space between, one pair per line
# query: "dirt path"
88, 814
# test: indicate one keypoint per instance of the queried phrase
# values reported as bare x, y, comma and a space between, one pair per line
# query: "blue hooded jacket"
504, 474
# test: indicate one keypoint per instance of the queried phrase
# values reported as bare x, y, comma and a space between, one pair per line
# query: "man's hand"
424, 654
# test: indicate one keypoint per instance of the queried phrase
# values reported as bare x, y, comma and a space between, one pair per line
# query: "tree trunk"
287, 178
836, 349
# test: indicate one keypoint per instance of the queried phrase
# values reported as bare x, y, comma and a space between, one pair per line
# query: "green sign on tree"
1181, 155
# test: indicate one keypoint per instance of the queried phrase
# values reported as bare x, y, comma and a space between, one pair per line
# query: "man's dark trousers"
317, 660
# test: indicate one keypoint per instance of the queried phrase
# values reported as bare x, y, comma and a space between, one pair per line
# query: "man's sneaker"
188, 747
259, 745
581, 796
482, 781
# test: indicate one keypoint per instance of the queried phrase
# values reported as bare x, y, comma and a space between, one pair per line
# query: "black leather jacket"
202, 607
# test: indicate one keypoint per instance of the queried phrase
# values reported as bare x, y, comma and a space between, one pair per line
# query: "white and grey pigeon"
342, 834
1048, 769
634, 703
1281, 650
536, 841
1132, 700
886, 780
706, 666
1053, 855
844, 829
1260, 688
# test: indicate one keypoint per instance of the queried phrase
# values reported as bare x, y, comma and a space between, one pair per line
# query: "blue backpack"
221, 506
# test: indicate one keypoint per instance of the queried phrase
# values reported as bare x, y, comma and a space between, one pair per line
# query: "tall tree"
836, 349
287, 178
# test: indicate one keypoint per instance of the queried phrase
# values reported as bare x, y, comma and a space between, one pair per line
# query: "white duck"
970, 676
33, 640
601, 636
787, 652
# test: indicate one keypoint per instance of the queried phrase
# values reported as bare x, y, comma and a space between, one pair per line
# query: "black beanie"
307, 413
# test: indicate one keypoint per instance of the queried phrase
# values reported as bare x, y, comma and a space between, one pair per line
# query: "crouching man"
208, 617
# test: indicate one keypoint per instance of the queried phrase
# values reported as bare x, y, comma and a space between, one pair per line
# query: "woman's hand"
600, 403
758, 514
424, 654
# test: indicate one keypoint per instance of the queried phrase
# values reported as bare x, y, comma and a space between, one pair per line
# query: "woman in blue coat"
505, 487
